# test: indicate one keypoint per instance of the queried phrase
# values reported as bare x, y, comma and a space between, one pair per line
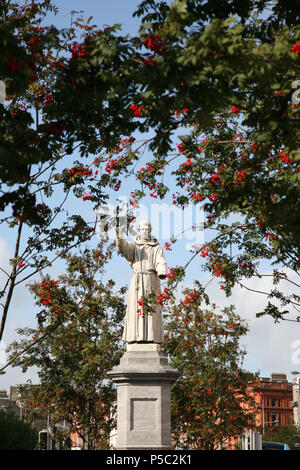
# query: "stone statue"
146, 257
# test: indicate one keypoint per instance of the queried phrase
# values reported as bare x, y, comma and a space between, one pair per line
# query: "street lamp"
21, 410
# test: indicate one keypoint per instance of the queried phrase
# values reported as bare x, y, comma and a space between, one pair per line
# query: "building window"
266, 400
273, 418
273, 402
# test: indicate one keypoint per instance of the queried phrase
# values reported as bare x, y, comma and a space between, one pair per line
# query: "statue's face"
145, 231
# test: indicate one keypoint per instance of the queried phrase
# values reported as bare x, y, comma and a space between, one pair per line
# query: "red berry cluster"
155, 44
163, 297
283, 156
140, 311
44, 210
240, 176
77, 51
193, 297
137, 110
48, 295
235, 110
296, 47
75, 175
33, 42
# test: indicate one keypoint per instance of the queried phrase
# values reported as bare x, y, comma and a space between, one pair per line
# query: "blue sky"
103, 12
269, 346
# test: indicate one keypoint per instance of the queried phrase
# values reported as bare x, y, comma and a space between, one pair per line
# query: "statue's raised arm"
125, 248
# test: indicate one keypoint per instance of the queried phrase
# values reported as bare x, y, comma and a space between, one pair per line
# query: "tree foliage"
212, 402
16, 434
211, 87
76, 342
284, 434
223, 75
230, 71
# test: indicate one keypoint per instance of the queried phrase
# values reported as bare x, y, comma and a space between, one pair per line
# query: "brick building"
275, 398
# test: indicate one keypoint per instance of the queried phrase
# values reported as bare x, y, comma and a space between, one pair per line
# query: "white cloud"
269, 345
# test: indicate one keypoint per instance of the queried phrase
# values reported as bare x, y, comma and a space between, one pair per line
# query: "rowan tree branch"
12, 281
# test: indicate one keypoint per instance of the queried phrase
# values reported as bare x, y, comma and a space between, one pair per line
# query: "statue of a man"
146, 257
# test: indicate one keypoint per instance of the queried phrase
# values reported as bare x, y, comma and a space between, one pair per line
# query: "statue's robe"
148, 262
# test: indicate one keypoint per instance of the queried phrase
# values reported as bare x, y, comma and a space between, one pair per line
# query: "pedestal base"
143, 380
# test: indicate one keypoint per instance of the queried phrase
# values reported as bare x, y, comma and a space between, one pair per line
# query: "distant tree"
79, 326
210, 401
283, 434
16, 434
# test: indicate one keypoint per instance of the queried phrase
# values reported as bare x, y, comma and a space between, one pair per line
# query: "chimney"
278, 377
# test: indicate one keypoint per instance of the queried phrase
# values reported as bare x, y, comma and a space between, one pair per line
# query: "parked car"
274, 446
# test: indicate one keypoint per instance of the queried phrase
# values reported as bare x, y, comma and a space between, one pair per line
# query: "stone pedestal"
143, 380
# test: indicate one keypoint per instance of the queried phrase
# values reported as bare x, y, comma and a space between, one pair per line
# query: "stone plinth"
143, 380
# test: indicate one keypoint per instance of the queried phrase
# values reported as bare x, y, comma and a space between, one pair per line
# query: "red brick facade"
275, 398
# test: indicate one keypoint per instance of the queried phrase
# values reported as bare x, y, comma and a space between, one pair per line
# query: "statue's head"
144, 229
